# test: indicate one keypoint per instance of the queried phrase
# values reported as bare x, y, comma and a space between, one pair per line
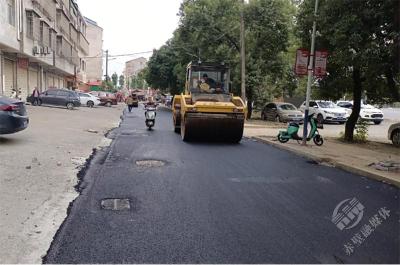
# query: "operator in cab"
208, 85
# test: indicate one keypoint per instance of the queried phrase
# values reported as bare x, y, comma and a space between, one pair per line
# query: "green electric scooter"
293, 128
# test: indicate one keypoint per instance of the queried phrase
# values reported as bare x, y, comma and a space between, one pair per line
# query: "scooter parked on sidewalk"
150, 114
293, 128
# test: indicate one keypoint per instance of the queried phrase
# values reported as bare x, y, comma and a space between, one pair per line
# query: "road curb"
340, 165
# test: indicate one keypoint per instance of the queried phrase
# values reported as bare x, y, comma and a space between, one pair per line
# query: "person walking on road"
129, 102
35, 96
14, 94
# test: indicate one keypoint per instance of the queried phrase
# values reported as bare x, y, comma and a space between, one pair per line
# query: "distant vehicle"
106, 98
367, 112
13, 116
58, 97
89, 100
326, 111
394, 134
281, 112
135, 101
168, 100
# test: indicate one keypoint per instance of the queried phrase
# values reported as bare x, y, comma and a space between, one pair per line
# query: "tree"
107, 85
114, 79
361, 38
121, 81
209, 30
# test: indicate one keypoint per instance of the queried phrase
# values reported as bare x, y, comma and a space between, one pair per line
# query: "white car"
367, 112
394, 134
326, 111
88, 100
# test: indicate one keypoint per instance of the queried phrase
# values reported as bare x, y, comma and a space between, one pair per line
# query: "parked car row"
71, 99
14, 118
324, 111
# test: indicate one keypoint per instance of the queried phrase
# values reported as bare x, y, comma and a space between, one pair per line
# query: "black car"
13, 116
58, 97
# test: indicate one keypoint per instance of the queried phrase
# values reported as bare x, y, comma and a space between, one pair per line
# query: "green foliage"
121, 81
114, 79
362, 39
357, 34
139, 81
107, 85
361, 134
209, 30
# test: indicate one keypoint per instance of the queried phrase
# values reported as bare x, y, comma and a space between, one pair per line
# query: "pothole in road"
115, 204
150, 163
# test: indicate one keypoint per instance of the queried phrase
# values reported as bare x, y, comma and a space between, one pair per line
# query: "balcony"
83, 44
74, 35
46, 7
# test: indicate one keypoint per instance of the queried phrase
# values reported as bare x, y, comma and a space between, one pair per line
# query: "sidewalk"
39, 169
355, 158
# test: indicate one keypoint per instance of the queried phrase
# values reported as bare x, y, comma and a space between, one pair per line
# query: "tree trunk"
249, 108
352, 121
393, 89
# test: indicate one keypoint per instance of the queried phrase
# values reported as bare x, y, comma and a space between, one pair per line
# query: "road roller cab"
207, 110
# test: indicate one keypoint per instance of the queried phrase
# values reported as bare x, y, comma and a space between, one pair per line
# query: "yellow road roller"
207, 111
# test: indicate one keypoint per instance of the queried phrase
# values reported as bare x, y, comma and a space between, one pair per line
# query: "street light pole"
242, 54
106, 65
310, 75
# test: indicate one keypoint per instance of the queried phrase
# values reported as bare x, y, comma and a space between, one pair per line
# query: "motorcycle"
293, 128
150, 114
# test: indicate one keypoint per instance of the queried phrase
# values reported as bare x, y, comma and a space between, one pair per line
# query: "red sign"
321, 58
23, 63
300, 67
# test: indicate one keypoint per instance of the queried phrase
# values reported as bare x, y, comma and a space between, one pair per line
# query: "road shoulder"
354, 158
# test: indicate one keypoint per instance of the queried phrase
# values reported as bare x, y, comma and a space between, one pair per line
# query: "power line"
98, 57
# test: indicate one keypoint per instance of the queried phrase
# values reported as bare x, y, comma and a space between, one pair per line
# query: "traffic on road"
199, 132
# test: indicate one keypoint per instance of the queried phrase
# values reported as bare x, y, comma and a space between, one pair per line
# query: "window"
287, 107
313, 104
59, 45
29, 24
50, 38
11, 12
41, 32
62, 93
326, 104
51, 92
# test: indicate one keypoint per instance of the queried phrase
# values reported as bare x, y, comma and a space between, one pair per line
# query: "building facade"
133, 67
42, 44
94, 62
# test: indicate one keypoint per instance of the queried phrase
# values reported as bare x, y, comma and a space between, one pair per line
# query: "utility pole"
242, 54
106, 65
310, 75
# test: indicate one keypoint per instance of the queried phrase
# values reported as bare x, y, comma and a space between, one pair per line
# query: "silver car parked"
281, 112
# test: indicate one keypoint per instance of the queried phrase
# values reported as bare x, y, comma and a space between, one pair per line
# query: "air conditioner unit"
36, 50
46, 50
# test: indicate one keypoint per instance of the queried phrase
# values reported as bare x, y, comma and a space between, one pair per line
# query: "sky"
132, 26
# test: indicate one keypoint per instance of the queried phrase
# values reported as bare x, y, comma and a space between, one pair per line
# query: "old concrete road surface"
151, 198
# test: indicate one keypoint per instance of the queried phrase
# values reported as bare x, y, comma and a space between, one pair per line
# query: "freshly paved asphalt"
218, 203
